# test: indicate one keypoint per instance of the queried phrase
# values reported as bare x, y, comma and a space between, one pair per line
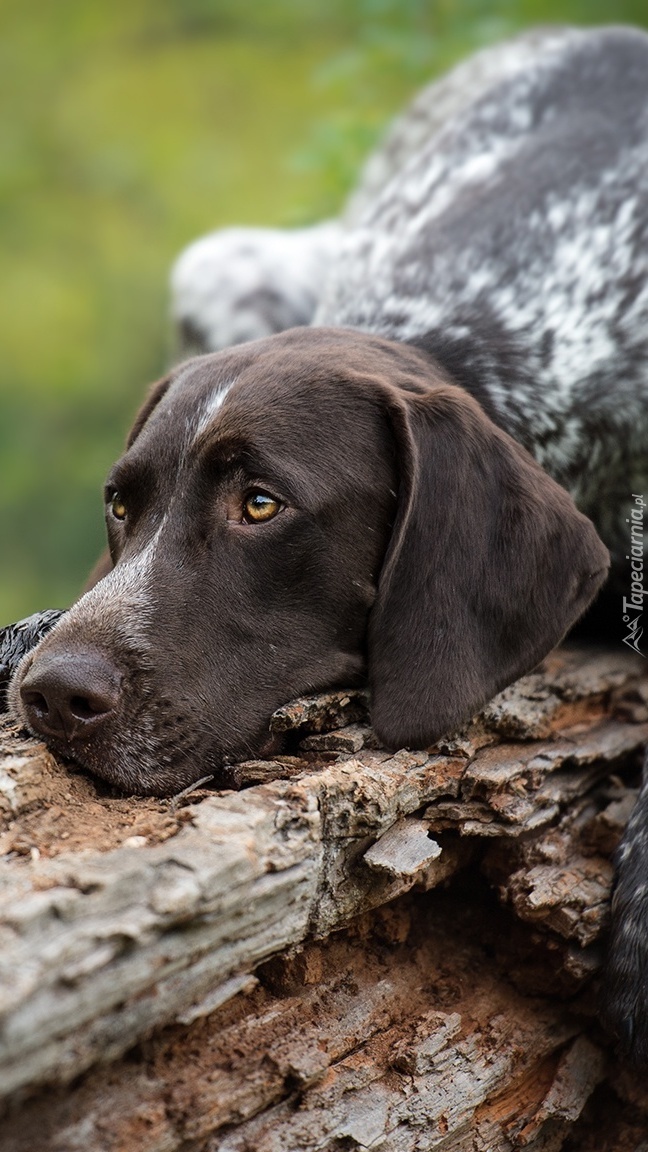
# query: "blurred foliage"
129, 127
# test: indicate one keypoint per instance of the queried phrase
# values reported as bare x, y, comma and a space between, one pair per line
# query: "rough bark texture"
357, 949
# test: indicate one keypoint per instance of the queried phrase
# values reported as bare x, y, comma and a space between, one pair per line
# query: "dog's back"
515, 248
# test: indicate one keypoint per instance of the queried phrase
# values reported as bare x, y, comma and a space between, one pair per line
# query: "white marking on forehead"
208, 410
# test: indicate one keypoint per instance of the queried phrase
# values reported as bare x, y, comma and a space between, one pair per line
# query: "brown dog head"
318, 508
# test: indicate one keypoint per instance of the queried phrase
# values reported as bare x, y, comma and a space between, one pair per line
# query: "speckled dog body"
514, 245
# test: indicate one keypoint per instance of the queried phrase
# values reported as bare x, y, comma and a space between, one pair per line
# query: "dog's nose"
69, 694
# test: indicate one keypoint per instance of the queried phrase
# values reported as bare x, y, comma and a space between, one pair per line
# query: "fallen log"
355, 947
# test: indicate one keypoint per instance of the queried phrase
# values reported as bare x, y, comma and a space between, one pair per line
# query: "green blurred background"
128, 128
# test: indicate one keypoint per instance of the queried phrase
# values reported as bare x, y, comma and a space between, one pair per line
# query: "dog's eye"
259, 506
117, 507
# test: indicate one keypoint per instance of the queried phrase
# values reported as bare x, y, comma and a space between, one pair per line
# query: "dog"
272, 500
417, 491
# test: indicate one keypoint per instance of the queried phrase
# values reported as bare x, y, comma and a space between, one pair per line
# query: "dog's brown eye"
117, 507
258, 506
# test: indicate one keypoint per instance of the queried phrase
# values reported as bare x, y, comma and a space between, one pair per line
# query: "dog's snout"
69, 694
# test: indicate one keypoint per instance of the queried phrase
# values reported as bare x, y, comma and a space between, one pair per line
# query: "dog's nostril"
37, 701
86, 707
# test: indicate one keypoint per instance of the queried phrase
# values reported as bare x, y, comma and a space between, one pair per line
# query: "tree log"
355, 949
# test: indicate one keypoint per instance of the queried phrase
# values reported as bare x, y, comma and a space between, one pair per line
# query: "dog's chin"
140, 779
120, 766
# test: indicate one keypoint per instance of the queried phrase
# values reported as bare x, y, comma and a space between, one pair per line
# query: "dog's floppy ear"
488, 566
153, 397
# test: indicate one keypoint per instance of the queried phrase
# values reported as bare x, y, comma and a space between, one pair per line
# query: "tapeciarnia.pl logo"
633, 605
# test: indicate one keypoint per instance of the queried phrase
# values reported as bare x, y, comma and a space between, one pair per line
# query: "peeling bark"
358, 949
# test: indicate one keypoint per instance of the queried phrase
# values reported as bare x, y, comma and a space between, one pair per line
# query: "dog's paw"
18, 639
625, 987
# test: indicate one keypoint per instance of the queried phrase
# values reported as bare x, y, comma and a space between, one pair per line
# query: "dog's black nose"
69, 694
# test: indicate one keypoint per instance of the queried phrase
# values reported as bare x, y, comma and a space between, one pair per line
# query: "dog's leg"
16, 640
626, 983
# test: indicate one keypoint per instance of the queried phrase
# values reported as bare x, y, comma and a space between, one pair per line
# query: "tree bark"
355, 949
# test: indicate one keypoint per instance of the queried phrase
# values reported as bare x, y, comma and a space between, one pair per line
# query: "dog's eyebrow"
229, 448
238, 456
130, 475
